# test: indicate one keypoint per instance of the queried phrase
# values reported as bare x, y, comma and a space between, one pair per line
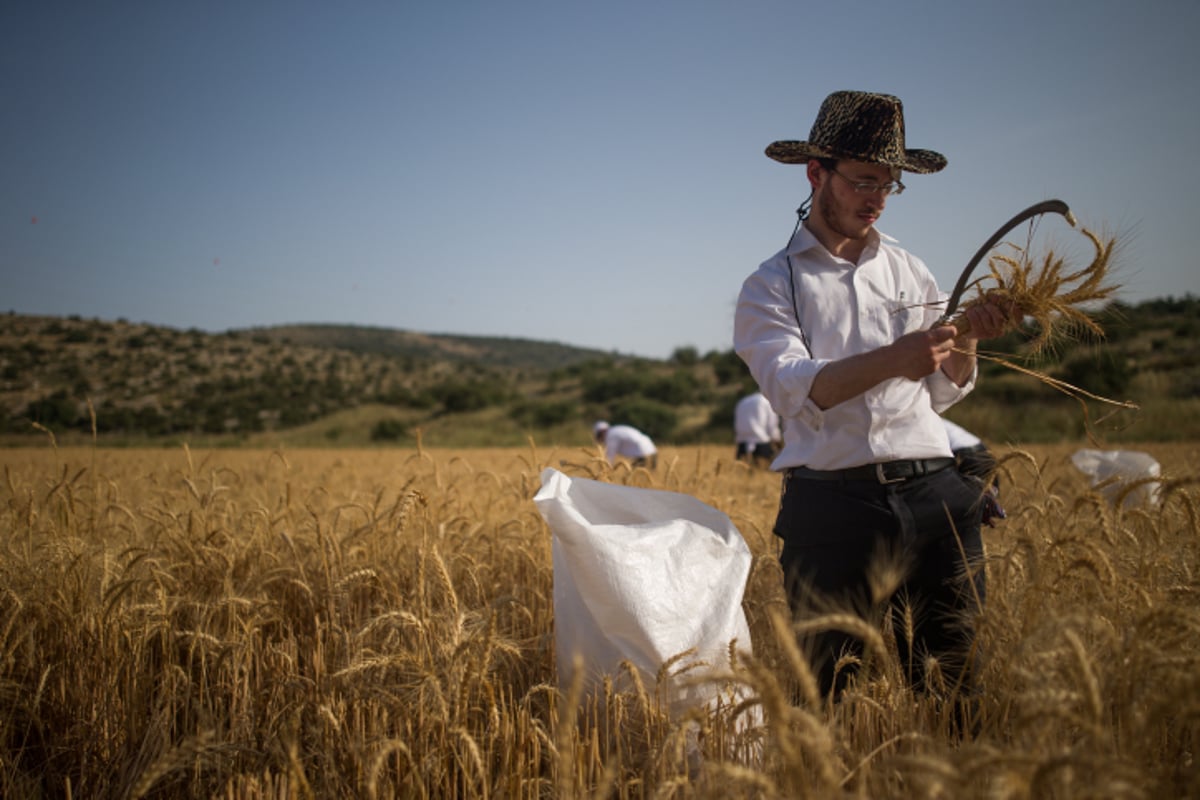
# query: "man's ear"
815, 173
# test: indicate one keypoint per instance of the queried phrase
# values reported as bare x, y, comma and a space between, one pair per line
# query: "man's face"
844, 211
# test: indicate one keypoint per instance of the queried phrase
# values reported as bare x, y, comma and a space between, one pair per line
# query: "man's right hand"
920, 353
913, 356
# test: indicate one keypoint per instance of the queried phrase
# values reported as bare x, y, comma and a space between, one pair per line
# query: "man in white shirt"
839, 331
756, 429
626, 441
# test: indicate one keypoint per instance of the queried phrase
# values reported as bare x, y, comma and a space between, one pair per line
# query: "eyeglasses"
871, 187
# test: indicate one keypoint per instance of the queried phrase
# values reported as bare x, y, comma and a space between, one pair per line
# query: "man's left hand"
991, 318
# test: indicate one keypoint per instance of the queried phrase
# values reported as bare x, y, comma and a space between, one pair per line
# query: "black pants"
871, 549
761, 453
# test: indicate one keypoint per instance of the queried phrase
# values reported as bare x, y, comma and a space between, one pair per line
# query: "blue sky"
587, 173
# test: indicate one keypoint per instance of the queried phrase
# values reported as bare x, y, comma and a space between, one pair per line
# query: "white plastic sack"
643, 575
1119, 468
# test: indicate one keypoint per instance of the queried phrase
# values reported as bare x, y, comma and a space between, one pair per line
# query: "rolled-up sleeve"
944, 392
767, 337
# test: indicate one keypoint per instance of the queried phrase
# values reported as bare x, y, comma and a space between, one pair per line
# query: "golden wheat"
252, 624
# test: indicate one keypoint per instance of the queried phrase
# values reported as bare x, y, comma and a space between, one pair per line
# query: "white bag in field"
1120, 468
643, 575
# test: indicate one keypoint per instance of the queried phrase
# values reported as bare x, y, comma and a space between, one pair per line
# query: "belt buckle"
882, 476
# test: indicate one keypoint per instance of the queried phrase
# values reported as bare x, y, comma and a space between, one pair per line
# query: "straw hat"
859, 126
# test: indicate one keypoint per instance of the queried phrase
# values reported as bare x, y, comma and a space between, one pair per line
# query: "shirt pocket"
907, 314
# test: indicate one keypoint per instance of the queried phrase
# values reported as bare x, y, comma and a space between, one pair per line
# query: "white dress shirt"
845, 309
754, 421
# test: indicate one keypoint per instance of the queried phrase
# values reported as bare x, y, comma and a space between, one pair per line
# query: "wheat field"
379, 623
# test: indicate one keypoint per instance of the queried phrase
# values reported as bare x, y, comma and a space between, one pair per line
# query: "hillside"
499, 351
343, 385
144, 381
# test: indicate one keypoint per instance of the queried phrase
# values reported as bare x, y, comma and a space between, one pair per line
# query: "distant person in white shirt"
975, 460
626, 441
756, 429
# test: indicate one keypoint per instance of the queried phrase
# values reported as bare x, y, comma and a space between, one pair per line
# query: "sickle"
1044, 207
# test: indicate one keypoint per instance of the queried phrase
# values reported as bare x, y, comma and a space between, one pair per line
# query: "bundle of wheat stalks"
1057, 306
1055, 302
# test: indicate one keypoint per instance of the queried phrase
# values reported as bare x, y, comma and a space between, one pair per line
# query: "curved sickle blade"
1044, 207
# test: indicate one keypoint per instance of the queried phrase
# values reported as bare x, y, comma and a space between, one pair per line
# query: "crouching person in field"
626, 441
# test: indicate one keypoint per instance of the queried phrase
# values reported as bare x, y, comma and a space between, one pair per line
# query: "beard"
840, 219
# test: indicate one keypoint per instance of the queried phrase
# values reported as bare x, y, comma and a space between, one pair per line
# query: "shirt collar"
804, 240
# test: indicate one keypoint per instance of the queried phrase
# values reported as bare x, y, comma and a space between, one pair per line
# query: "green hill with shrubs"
121, 383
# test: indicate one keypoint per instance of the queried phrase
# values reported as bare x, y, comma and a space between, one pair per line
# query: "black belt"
882, 472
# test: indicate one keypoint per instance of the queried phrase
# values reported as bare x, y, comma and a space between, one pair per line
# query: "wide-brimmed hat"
859, 126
